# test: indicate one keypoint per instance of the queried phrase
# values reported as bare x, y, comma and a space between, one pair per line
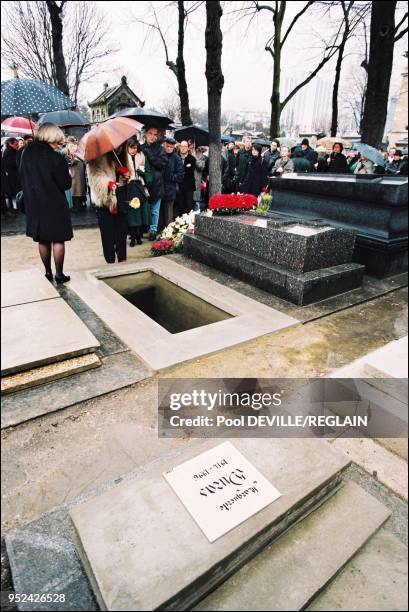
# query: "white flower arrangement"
180, 226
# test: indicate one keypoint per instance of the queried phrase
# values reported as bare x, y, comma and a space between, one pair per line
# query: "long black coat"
189, 165
173, 176
10, 171
254, 177
157, 161
338, 164
44, 177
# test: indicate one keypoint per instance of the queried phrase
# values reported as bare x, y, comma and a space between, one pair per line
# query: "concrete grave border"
156, 346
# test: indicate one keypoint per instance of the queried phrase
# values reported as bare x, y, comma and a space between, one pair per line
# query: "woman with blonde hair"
44, 178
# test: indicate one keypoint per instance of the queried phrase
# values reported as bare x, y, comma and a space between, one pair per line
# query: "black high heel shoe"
62, 279
49, 276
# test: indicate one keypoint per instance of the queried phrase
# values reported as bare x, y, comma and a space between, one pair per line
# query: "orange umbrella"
106, 137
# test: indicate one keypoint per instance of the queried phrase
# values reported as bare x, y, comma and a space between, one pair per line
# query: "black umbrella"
195, 133
262, 142
64, 118
226, 139
145, 116
24, 98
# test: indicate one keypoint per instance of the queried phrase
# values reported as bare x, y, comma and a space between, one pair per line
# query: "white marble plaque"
220, 489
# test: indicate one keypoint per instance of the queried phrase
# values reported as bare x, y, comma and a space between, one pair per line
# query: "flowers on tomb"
232, 203
171, 238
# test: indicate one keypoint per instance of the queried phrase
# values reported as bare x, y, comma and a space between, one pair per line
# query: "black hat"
305, 141
170, 140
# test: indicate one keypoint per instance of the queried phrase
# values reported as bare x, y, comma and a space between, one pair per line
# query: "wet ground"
53, 459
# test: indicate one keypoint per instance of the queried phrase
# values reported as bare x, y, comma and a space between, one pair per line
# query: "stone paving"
56, 457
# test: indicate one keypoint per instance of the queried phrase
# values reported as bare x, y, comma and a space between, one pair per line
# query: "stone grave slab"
391, 361
24, 286
299, 288
142, 550
48, 373
116, 371
376, 579
39, 333
299, 261
328, 538
301, 247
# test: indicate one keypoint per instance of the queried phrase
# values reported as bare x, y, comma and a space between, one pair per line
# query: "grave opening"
173, 308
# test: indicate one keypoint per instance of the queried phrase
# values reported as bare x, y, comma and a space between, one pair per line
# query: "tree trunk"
379, 71
58, 53
181, 71
335, 90
215, 82
275, 96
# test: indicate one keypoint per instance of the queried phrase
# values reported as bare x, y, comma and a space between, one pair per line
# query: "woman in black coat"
45, 177
10, 177
253, 179
337, 162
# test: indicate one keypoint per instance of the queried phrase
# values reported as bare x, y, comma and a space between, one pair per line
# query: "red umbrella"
106, 137
18, 125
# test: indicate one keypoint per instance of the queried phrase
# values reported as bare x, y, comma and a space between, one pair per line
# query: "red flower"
233, 201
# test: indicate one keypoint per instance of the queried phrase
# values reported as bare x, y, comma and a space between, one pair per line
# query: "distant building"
112, 100
398, 134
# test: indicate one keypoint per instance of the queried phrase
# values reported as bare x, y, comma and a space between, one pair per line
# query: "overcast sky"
246, 66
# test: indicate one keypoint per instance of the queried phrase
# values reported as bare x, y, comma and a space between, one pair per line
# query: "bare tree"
384, 34
356, 99
353, 16
275, 46
177, 67
28, 42
171, 107
215, 83
56, 18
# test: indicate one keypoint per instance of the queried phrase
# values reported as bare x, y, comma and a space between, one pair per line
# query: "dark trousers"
185, 201
166, 213
114, 229
135, 231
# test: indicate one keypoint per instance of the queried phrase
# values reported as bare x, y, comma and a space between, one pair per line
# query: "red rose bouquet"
232, 203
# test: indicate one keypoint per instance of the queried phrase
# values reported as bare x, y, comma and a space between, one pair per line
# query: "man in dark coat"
173, 178
10, 173
243, 158
157, 160
188, 186
301, 163
308, 152
28, 139
394, 166
337, 162
269, 159
253, 179
228, 182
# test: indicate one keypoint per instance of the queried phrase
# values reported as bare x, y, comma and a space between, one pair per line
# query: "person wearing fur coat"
107, 178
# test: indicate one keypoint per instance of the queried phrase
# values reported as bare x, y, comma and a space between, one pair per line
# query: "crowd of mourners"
139, 188
249, 169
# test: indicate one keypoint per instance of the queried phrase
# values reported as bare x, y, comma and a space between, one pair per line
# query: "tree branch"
310, 76
401, 34
294, 21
